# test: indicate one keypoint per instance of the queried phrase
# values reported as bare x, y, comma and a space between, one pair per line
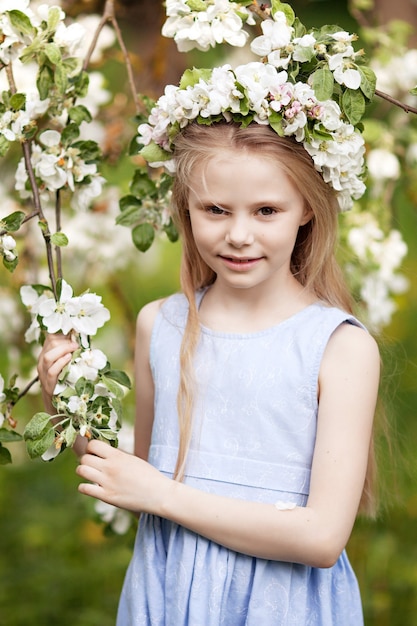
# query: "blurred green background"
59, 567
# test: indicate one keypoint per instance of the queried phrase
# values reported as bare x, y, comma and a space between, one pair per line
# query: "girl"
256, 390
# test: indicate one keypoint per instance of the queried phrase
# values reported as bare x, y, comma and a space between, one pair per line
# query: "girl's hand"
55, 355
122, 479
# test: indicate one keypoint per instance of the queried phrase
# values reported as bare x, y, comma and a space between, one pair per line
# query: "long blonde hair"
313, 260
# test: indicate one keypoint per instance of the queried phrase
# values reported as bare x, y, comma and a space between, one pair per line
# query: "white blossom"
343, 71
87, 365
8, 247
203, 29
276, 36
55, 314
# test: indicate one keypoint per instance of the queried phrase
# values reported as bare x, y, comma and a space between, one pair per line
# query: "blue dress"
253, 439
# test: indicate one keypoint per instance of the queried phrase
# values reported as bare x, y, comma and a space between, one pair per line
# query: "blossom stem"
38, 211
26, 147
110, 16
58, 254
24, 392
406, 107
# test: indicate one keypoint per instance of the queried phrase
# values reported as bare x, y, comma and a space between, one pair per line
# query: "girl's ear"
307, 215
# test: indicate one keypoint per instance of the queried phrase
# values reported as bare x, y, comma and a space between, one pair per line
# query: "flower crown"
310, 86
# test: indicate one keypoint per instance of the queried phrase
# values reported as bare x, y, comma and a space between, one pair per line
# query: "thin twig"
26, 148
406, 107
25, 390
109, 15
38, 210
58, 253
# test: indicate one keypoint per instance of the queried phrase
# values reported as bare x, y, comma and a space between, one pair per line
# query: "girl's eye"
215, 210
267, 210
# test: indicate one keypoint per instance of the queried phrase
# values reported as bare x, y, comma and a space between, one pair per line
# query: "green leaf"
413, 91
141, 184
152, 152
10, 265
21, 22
84, 387
113, 387
53, 53
80, 114
70, 435
13, 221
70, 133
196, 5
18, 101
276, 6
89, 150
79, 82
143, 236
5, 456
37, 447
275, 121
129, 201
44, 81
171, 231
129, 216
368, 81
39, 435
323, 83
54, 17
9, 435
191, 77
38, 423
353, 105
61, 78
4, 146
120, 377
59, 239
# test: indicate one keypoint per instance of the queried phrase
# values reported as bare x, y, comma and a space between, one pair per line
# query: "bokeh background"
59, 565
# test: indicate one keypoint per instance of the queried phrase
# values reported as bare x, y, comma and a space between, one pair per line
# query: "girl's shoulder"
147, 315
173, 308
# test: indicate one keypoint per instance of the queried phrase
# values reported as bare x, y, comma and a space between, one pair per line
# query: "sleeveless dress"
253, 439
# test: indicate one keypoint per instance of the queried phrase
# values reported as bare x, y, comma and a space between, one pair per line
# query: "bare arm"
314, 535
143, 379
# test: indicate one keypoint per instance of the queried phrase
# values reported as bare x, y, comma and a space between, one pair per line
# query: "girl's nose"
239, 233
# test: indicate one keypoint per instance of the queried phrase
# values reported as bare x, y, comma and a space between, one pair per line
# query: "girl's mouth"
241, 263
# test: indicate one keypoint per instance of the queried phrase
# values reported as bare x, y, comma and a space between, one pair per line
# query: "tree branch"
406, 107
110, 16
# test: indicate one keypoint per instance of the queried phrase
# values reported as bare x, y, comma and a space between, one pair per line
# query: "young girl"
256, 390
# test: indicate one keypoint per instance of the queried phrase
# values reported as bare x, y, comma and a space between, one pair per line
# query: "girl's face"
245, 214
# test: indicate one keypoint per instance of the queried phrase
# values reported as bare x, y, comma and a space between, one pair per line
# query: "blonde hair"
313, 260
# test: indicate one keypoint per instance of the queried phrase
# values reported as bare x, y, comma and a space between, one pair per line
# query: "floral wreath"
311, 86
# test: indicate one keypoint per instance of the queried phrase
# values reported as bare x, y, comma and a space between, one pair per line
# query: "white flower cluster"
379, 259
8, 247
202, 24
15, 40
83, 314
89, 407
280, 47
14, 123
88, 394
57, 166
259, 90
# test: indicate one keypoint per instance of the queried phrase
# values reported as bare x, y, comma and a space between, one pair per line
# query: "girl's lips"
238, 263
